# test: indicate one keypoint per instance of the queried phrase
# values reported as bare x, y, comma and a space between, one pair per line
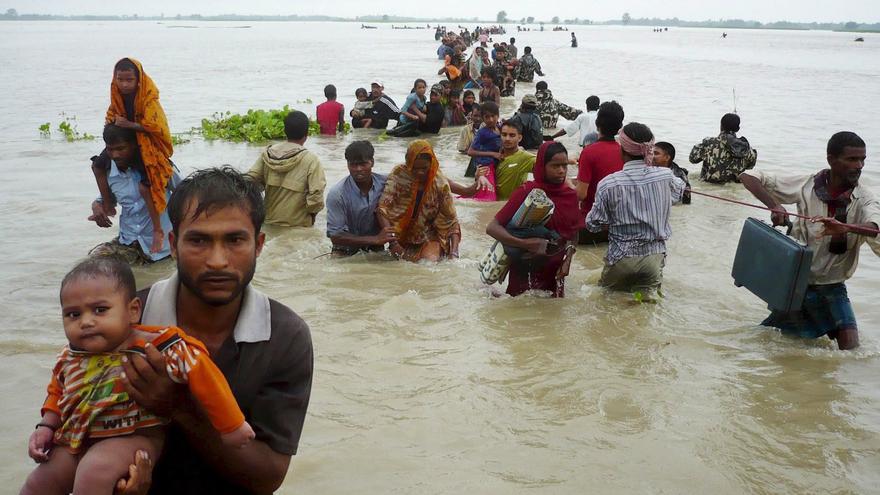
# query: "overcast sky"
761, 10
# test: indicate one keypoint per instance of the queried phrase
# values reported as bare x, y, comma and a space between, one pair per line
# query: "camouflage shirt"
724, 157
550, 109
527, 68
504, 78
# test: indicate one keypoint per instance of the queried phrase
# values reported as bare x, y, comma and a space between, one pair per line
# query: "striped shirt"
634, 203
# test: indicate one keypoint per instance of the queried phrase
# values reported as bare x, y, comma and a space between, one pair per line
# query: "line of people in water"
211, 222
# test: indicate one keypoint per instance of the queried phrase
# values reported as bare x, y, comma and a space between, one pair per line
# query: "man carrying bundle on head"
634, 206
845, 215
134, 104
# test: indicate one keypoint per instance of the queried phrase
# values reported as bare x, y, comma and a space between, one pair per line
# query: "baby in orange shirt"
88, 415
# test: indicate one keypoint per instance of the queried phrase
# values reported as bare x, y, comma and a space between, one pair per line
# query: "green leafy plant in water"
70, 132
255, 126
180, 138
45, 129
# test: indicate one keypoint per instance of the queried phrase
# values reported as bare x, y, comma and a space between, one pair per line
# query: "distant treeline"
12, 14
745, 24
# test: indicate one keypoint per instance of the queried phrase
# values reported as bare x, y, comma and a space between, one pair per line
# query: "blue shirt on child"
486, 140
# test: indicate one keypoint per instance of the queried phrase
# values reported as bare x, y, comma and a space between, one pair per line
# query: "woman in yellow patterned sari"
417, 204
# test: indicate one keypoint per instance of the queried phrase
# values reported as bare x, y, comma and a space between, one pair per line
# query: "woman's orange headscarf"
155, 143
435, 211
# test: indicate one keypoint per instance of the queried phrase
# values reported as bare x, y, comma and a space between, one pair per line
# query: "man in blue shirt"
351, 205
135, 227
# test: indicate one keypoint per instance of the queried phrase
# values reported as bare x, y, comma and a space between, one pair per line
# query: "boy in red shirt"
598, 161
601, 158
331, 113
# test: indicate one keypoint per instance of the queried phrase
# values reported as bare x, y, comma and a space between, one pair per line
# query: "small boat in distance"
364, 26
860, 39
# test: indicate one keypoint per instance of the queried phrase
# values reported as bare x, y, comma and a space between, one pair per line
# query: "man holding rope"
843, 215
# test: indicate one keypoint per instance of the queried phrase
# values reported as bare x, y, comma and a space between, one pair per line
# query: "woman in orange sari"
134, 104
417, 204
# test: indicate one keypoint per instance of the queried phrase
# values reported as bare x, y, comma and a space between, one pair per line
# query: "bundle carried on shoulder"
534, 212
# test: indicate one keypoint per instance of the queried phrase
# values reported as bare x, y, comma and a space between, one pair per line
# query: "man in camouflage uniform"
504, 73
528, 66
726, 156
550, 109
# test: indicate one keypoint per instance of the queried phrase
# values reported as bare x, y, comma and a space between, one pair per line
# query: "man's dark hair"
214, 188
296, 125
553, 150
114, 134
730, 122
610, 118
489, 107
514, 124
113, 268
667, 148
541, 86
455, 93
330, 92
527, 49
512, 40
359, 152
844, 139
125, 65
592, 103
478, 107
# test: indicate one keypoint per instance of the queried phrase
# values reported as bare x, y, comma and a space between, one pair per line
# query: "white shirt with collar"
254, 322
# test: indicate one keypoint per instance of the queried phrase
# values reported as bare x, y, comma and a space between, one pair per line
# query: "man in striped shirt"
634, 206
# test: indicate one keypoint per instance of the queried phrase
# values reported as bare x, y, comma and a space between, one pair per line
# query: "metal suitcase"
772, 266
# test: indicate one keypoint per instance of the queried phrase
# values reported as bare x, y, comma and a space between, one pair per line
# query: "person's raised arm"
100, 173
756, 187
696, 155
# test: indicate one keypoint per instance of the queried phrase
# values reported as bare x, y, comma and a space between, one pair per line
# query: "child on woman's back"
90, 428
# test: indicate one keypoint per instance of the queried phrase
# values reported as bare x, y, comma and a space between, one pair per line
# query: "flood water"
423, 382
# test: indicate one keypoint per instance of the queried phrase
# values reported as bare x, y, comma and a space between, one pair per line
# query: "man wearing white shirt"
585, 124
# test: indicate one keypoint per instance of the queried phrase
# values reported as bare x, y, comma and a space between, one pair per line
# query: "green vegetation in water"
640, 297
67, 127
307, 100
181, 138
256, 126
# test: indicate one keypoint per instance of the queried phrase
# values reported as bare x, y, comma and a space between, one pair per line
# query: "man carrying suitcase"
844, 215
